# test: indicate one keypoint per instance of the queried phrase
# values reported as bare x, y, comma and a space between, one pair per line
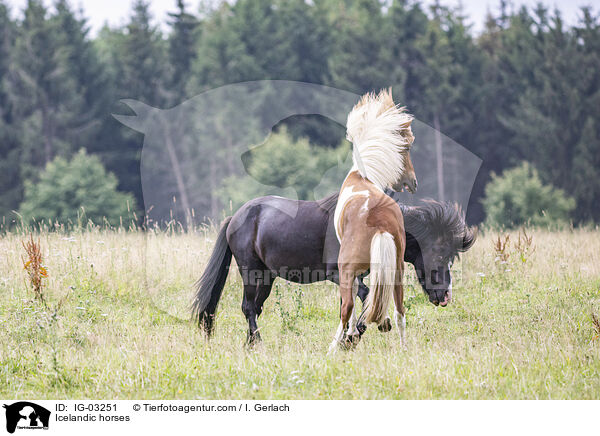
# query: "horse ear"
140, 120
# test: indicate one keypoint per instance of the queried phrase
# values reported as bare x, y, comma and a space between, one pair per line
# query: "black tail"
210, 286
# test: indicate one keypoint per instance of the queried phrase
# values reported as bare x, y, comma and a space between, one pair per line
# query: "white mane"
379, 131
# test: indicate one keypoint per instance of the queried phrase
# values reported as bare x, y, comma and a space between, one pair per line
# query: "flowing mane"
379, 131
434, 220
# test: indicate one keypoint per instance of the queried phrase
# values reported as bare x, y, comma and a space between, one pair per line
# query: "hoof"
385, 326
362, 328
253, 339
350, 342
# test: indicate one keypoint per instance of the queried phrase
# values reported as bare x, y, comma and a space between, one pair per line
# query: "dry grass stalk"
596, 324
500, 247
32, 262
524, 244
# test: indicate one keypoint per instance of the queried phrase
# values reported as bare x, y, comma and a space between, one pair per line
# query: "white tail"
383, 277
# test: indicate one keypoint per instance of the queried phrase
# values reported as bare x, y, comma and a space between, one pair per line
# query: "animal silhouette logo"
26, 415
209, 137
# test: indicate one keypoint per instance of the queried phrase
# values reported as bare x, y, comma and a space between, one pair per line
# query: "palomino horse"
365, 217
303, 248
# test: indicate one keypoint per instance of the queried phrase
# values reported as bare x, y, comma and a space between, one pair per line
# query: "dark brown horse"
274, 237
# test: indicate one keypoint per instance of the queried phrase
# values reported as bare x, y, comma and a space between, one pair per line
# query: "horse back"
281, 233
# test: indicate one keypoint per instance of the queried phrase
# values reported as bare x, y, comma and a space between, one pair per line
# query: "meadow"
523, 324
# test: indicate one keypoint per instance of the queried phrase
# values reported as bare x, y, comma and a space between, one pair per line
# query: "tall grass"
116, 325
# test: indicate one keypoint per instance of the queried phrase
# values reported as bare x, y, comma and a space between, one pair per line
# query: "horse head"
408, 179
436, 234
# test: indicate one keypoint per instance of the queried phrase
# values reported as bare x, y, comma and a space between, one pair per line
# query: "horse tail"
383, 277
210, 286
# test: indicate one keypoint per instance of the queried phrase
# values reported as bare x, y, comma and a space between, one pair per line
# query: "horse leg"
254, 275
400, 311
362, 293
263, 292
337, 339
249, 309
346, 292
353, 327
353, 332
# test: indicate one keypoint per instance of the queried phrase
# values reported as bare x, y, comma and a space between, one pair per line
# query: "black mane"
434, 220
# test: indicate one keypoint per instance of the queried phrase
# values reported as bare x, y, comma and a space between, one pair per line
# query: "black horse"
274, 237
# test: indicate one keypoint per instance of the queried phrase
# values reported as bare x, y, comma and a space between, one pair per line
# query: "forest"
523, 91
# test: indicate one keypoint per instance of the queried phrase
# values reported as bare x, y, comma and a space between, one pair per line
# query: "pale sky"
116, 12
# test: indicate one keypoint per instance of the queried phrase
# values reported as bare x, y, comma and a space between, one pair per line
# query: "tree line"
526, 88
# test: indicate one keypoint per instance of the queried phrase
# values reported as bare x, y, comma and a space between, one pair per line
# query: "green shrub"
518, 197
74, 192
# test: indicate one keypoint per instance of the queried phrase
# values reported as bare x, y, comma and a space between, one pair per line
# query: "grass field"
117, 325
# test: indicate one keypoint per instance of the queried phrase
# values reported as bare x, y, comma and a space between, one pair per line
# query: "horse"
365, 217
267, 242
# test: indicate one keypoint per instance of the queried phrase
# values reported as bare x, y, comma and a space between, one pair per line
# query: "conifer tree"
182, 49
361, 60
10, 180
586, 172
43, 91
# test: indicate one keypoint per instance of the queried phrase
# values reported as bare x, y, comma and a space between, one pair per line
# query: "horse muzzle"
411, 185
442, 300
408, 183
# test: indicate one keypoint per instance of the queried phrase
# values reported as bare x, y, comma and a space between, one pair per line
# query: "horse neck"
414, 223
355, 177
412, 250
